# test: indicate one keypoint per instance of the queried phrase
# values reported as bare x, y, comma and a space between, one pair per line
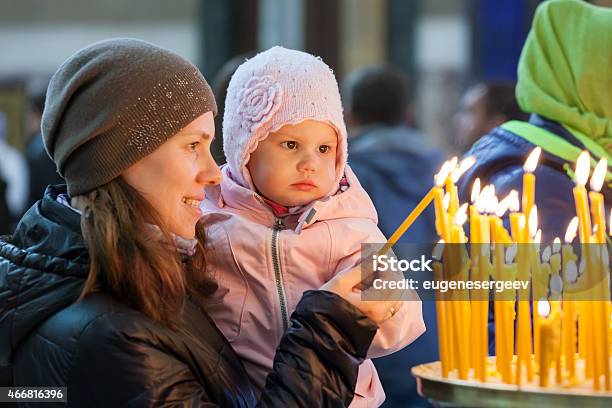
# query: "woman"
100, 285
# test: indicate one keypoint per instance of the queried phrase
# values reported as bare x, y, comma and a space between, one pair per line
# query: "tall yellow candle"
410, 219
475, 232
460, 305
585, 345
483, 304
442, 220
523, 321
442, 317
570, 272
498, 260
503, 324
556, 322
601, 308
547, 341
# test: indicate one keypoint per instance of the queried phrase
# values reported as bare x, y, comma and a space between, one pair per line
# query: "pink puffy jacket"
263, 267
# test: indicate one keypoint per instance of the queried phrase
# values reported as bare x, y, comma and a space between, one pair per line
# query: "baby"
289, 213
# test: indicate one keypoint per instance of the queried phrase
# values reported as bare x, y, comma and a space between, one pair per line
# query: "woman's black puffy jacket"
109, 355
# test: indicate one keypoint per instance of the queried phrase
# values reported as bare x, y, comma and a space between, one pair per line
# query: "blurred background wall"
442, 44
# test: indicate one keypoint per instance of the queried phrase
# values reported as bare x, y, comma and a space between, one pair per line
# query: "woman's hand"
353, 287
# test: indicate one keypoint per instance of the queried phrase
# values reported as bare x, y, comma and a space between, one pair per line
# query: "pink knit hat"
275, 88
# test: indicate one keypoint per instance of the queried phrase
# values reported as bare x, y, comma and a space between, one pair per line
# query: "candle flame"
463, 167
446, 201
538, 237
514, 201
543, 307
582, 168
442, 175
599, 174
533, 221
476, 190
522, 221
510, 202
492, 203
511, 253
572, 230
546, 254
532, 160
481, 200
556, 246
461, 215
436, 253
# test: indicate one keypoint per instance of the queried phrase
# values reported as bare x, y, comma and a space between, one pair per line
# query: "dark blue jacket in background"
500, 156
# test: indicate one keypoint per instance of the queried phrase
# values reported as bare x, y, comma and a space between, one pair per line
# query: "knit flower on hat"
259, 100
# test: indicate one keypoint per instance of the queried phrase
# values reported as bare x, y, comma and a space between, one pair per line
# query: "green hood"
565, 69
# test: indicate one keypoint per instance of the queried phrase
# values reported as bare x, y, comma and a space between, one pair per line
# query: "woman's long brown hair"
131, 261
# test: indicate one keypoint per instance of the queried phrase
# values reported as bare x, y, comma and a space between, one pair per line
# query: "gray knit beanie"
113, 103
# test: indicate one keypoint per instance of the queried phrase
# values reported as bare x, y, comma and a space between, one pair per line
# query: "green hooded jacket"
565, 70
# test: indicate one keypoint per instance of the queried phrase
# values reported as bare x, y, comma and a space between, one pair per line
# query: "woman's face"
173, 177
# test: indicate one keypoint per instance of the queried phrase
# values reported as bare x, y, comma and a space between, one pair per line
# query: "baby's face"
296, 164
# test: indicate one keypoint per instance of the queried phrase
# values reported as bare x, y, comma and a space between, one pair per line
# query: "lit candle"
503, 320
484, 269
418, 210
410, 219
601, 311
570, 274
459, 304
475, 240
538, 288
585, 343
442, 219
597, 201
451, 189
442, 316
580, 196
529, 180
523, 321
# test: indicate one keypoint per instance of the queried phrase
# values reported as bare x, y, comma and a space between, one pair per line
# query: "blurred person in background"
41, 168
485, 106
564, 81
390, 158
14, 173
395, 164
